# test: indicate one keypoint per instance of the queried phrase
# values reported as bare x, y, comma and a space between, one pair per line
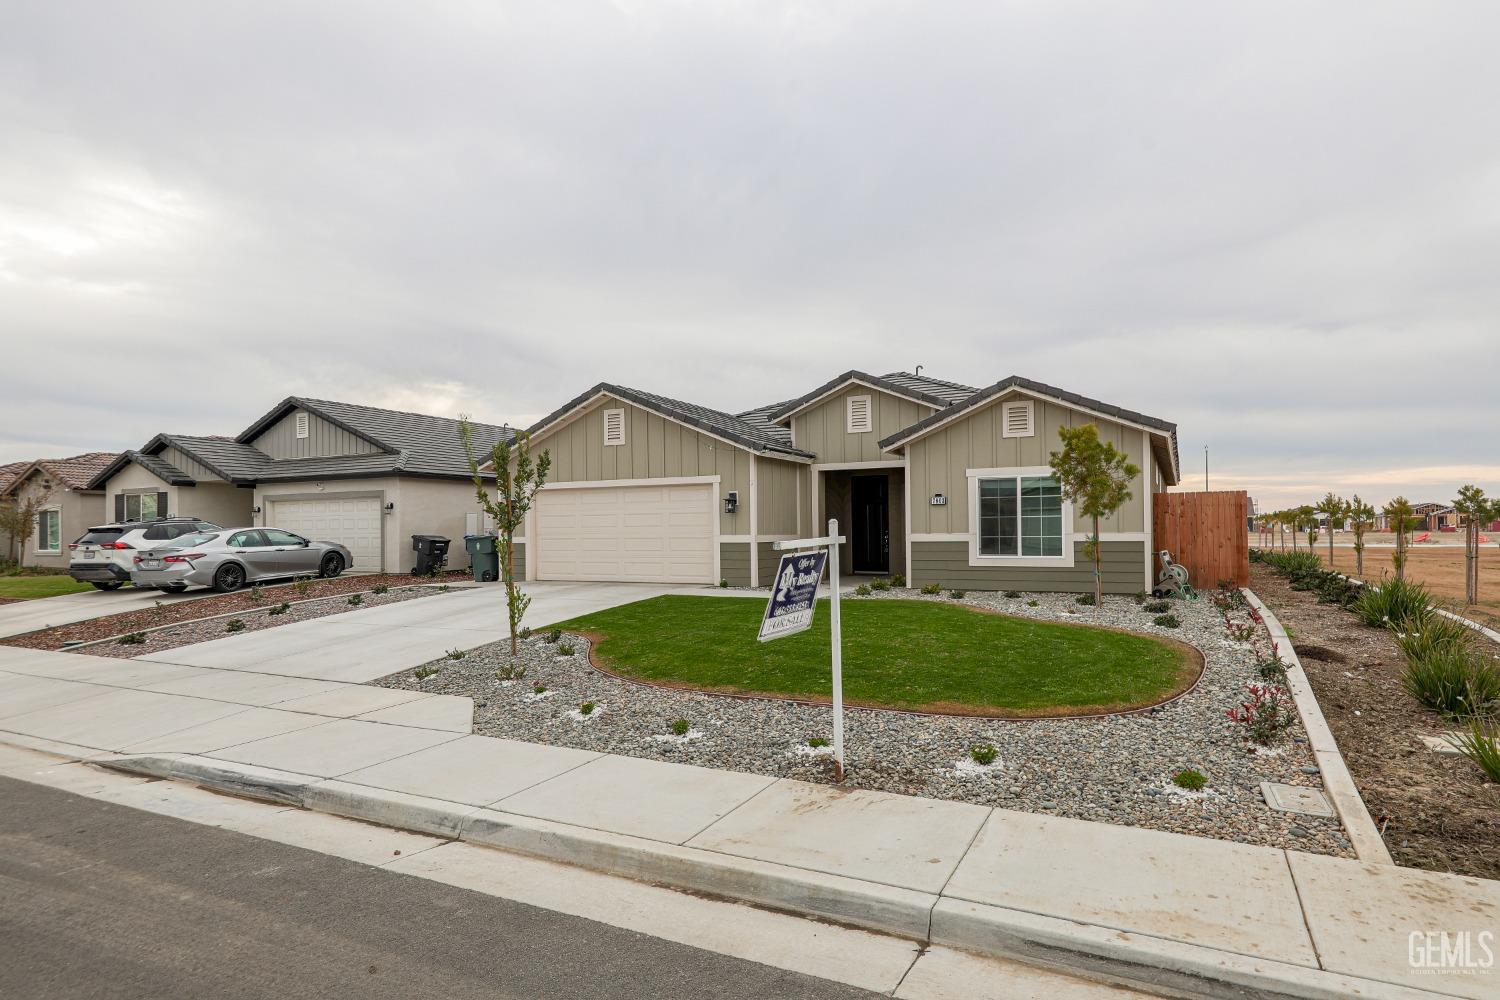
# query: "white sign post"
792, 602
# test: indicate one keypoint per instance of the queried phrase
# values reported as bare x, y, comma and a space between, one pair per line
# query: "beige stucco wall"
136, 479
323, 439
823, 429
79, 510
938, 463
217, 502
654, 448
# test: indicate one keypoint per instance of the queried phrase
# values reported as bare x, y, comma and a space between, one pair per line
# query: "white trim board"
976, 558
884, 390
606, 483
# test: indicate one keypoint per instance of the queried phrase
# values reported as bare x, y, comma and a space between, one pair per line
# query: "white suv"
105, 555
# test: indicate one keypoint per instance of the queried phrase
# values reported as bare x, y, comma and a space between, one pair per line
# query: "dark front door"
871, 514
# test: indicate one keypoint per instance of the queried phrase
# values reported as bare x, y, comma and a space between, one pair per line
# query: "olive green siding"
518, 557
776, 496
938, 463
734, 563
654, 448
180, 459
947, 564
824, 429
324, 439
767, 558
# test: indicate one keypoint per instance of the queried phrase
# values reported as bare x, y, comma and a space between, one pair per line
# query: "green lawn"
23, 588
897, 654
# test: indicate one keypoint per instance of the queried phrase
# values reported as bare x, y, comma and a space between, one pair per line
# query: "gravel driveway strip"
1111, 769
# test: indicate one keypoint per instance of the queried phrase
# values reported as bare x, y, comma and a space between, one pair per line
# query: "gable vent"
302, 423
858, 410
1018, 420
614, 427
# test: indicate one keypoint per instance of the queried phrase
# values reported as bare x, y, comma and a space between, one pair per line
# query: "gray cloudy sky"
1277, 224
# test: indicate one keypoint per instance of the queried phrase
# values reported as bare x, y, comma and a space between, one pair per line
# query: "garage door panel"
353, 523
627, 533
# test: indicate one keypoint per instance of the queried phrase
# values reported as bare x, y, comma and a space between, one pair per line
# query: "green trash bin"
483, 557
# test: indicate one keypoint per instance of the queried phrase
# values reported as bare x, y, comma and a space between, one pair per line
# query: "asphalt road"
100, 900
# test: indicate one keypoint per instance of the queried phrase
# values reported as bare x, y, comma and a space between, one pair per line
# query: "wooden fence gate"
1209, 533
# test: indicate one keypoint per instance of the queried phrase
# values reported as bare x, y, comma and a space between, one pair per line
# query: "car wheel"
109, 586
332, 565
229, 577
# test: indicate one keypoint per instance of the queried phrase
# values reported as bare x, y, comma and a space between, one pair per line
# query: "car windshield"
202, 538
98, 536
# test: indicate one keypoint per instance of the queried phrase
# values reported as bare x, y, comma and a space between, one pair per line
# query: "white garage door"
649, 534
353, 523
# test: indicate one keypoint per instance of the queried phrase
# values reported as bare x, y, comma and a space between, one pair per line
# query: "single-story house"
70, 505
943, 482
366, 477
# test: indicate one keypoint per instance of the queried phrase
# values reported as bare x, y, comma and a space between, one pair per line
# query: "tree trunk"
1330, 543
1359, 555
1098, 583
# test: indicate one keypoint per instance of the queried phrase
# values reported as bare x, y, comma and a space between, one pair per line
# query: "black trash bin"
432, 554
484, 559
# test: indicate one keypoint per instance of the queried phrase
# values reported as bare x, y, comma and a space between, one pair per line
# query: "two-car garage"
641, 533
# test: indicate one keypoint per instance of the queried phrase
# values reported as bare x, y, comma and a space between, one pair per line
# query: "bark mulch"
1437, 811
172, 611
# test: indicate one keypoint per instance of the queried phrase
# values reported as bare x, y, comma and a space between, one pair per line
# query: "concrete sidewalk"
1161, 910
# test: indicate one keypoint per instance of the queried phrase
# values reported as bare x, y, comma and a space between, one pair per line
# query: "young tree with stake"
1361, 517
517, 479
1334, 508
1398, 512
1478, 510
1095, 476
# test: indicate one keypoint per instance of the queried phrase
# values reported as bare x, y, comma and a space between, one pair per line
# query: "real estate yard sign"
793, 594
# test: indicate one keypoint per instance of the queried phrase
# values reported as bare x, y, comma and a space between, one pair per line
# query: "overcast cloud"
1277, 225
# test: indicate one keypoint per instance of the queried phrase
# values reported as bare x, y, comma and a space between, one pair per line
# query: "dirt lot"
1439, 567
1437, 810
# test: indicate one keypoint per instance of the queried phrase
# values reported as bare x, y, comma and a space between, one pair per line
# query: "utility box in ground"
432, 554
483, 557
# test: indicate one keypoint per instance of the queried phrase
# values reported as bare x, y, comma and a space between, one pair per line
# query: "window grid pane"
997, 517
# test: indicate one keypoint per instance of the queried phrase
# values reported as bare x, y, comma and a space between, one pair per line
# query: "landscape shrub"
1402, 605
1140, 597
1458, 682
1481, 744
1440, 634
510, 672
1240, 631
302, 587
957, 595
381, 588
1156, 607
425, 671
587, 708
1013, 594
880, 583
680, 727
723, 584
565, 649
1271, 670
1085, 599
525, 632
1267, 714
132, 639
983, 754
553, 634
257, 594
863, 590
1190, 779
817, 742
538, 688
932, 588
1033, 603
1167, 621
280, 609
234, 625
898, 579
355, 600
455, 654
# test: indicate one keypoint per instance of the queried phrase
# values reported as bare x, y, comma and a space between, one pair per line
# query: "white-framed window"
49, 530
141, 507
1019, 517
614, 427
301, 423
857, 414
1018, 419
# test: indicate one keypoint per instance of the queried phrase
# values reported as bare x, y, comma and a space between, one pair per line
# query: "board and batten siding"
195, 469
824, 429
734, 563
947, 564
777, 496
324, 439
654, 448
939, 463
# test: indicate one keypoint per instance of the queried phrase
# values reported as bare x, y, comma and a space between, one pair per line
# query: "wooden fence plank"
1206, 532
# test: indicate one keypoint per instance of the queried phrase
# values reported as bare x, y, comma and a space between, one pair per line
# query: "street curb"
1097, 952
1364, 836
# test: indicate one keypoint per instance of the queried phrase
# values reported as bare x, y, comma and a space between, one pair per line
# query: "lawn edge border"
1369, 846
593, 639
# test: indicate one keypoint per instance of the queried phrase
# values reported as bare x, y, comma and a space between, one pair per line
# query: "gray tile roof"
933, 392
228, 460
160, 468
1167, 428
732, 428
760, 418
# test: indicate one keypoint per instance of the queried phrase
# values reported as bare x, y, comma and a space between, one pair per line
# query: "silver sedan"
227, 560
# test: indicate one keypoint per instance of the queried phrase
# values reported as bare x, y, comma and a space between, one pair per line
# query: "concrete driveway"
46, 612
362, 646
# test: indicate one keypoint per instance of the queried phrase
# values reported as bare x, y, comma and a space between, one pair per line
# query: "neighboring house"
941, 481
69, 504
365, 477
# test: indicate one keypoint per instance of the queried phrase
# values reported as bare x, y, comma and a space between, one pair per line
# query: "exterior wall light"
732, 502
